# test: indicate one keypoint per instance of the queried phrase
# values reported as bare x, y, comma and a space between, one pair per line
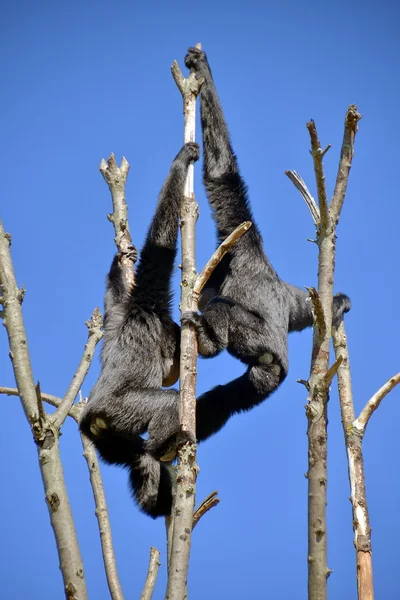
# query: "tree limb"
49, 398
218, 255
205, 506
90, 456
321, 375
353, 442
373, 403
151, 578
103, 520
45, 434
95, 334
14, 323
346, 157
304, 191
317, 153
115, 178
181, 519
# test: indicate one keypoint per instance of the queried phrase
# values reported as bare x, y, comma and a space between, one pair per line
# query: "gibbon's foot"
196, 60
169, 456
168, 450
132, 253
98, 426
191, 317
192, 150
266, 359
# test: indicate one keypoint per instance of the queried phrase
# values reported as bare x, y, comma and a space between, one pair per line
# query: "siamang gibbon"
246, 308
140, 354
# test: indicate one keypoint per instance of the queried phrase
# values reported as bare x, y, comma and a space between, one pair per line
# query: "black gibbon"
246, 308
140, 354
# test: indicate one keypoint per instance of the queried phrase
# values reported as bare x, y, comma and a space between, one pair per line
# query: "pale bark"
45, 433
115, 178
181, 520
90, 456
354, 430
151, 578
326, 219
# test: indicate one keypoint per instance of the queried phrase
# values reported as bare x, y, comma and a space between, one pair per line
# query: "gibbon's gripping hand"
190, 152
196, 61
191, 317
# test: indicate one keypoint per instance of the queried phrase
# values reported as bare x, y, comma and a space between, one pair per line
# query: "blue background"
81, 80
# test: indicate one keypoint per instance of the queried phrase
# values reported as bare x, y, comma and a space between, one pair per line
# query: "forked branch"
46, 435
325, 217
101, 511
95, 334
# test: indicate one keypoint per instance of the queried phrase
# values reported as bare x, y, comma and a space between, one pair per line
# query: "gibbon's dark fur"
140, 354
246, 308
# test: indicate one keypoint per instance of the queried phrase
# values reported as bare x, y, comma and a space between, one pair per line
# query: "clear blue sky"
81, 80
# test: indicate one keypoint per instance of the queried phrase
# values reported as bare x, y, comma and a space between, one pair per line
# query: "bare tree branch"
362, 420
346, 157
46, 435
204, 507
116, 179
218, 256
95, 334
103, 520
49, 398
151, 578
321, 375
182, 512
318, 311
304, 191
353, 440
14, 323
98, 493
331, 372
317, 153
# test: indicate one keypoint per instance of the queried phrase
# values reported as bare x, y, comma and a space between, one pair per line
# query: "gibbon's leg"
217, 406
228, 324
153, 485
130, 414
212, 326
153, 274
226, 189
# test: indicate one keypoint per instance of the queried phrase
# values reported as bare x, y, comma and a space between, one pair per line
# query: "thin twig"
362, 420
205, 506
346, 157
150, 582
219, 255
116, 179
95, 334
304, 191
74, 411
107, 548
331, 372
317, 153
